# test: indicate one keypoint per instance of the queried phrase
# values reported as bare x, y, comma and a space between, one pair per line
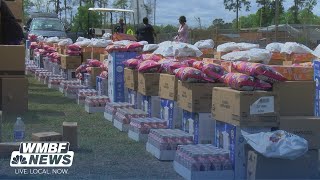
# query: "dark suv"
46, 25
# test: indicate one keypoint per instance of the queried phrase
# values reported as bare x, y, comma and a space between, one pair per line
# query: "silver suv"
46, 25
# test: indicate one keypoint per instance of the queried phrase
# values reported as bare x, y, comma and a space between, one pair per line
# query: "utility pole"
276, 20
154, 12
237, 15
138, 13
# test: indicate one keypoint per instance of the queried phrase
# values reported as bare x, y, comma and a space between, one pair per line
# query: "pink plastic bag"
104, 74
244, 82
149, 66
74, 47
260, 71
189, 62
189, 74
94, 63
134, 45
151, 57
132, 63
213, 72
198, 65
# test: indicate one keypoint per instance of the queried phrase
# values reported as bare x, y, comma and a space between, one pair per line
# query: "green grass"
104, 152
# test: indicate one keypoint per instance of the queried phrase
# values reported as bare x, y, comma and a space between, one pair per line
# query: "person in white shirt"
183, 30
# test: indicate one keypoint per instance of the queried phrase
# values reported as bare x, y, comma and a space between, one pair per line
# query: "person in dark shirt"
11, 32
146, 32
120, 27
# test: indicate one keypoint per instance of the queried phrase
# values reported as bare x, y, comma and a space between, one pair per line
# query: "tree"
122, 4
27, 5
299, 5
218, 23
267, 11
81, 19
236, 6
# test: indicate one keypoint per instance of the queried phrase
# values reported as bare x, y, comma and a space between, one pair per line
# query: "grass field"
104, 153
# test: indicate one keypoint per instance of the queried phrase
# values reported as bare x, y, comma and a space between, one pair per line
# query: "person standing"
120, 27
146, 32
11, 32
183, 30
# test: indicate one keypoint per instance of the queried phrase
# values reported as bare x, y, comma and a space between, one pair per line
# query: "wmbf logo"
42, 155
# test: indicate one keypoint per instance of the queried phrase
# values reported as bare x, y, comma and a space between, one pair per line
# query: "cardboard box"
89, 55
200, 125
316, 65
306, 127
6, 148
135, 98
172, 113
211, 61
96, 50
102, 85
229, 137
14, 95
116, 89
296, 98
62, 50
103, 57
196, 97
219, 54
16, 7
70, 134
168, 87
250, 108
12, 60
305, 167
131, 78
69, 74
95, 71
148, 84
295, 73
70, 62
46, 136
151, 105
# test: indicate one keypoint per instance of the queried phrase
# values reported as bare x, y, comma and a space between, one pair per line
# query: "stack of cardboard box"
195, 101
288, 107
13, 83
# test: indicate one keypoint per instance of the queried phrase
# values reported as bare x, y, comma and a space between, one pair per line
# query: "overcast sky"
168, 11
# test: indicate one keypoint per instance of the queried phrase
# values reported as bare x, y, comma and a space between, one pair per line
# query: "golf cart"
98, 32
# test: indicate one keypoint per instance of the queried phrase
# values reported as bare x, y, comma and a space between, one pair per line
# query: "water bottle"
19, 130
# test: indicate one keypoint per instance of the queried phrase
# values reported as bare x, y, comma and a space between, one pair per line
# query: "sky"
168, 11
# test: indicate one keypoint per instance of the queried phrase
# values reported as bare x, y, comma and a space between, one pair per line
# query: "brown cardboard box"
168, 87
12, 60
218, 55
70, 62
304, 167
103, 57
296, 98
95, 71
303, 126
62, 50
148, 84
7, 148
70, 134
196, 97
96, 50
16, 7
131, 78
46, 136
245, 108
89, 55
14, 95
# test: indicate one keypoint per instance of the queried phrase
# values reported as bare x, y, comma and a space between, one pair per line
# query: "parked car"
46, 25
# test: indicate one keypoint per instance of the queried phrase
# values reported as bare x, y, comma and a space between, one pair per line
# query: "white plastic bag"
252, 55
150, 47
81, 39
144, 42
274, 47
99, 43
277, 144
227, 47
185, 50
205, 44
247, 46
65, 42
316, 52
165, 49
52, 40
107, 36
83, 42
293, 47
